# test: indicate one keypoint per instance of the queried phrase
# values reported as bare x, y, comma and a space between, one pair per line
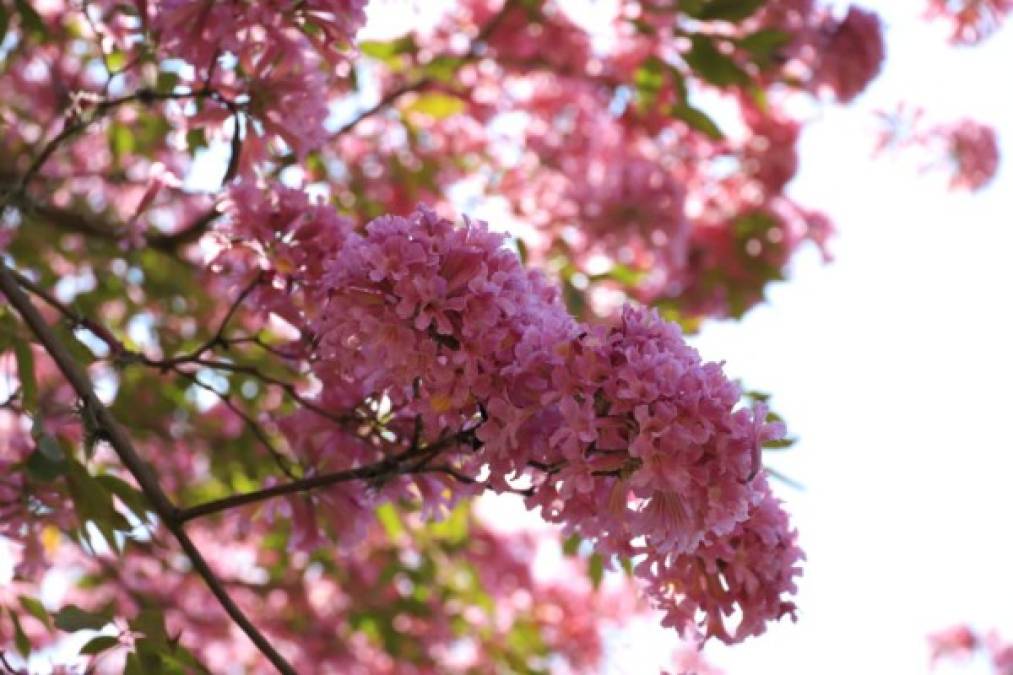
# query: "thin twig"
473, 52
382, 470
283, 462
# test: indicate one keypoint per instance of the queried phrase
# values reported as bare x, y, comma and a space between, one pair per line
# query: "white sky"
893, 364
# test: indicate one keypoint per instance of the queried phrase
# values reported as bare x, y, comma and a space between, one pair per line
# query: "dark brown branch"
76, 320
138, 468
379, 471
370, 472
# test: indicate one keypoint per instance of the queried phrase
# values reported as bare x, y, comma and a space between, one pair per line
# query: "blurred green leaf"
26, 374
116, 60
596, 569
166, 82
436, 105
725, 10
391, 522
623, 274
43, 469
99, 644
21, 641
72, 618
133, 498
650, 79
35, 608
121, 140
763, 45
392, 53
454, 528
442, 68
697, 119
151, 623
713, 66
5, 21
571, 545
195, 139
31, 21
94, 503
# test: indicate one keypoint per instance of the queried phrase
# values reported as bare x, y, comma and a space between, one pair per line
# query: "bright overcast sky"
893, 364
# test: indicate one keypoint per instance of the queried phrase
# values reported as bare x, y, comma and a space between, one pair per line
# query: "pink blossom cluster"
965, 149
974, 150
960, 642
852, 55
971, 21
621, 433
282, 53
200, 31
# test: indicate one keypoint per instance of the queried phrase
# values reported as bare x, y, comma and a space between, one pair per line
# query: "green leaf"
133, 498
713, 66
388, 517
50, 448
623, 274
116, 60
596, 569
442, 68
454, 528
99, 644
780, 443
133, 666
30, 19
121, 140
385, 50
43, 469
196, 138
392, 53
764, 44
728, 10
36, 609
697, 119
436, 105
571, 545
166, 82
72, 618
94, 503
5, 21
21, 640
26, 374
150, 622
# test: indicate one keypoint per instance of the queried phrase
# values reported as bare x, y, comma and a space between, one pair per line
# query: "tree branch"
387, 468
140, 470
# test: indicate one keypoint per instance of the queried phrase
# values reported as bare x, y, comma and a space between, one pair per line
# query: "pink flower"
974, 150
955, 642
971, 21
853, 54
446, 325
